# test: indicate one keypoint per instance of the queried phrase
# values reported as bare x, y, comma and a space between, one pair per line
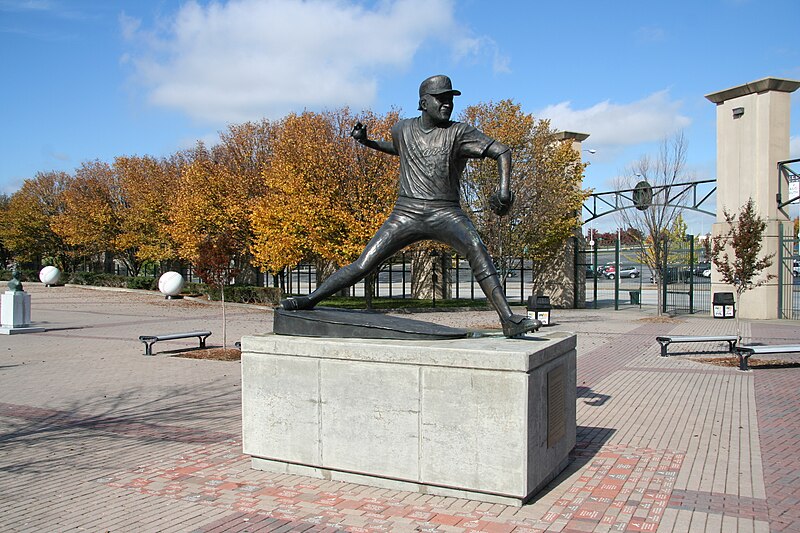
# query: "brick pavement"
94, 436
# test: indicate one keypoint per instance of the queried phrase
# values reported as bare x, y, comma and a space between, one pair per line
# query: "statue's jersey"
431, 162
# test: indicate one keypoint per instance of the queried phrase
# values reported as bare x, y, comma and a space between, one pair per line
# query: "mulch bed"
661, 320
215, 354
753, 362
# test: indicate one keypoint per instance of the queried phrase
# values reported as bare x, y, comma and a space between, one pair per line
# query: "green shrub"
100, 280
191, 287
24, 275
81, 278
142, 282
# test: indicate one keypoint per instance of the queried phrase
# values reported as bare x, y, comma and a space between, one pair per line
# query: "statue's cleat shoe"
297, 303
516, 325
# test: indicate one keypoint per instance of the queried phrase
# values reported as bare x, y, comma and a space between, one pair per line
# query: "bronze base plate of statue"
348, 323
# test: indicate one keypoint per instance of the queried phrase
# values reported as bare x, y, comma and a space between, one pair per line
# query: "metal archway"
603, 203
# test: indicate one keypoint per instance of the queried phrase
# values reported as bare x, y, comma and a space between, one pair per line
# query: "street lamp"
591, 151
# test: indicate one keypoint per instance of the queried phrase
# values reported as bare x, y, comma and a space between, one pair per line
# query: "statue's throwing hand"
359, 132
498, 206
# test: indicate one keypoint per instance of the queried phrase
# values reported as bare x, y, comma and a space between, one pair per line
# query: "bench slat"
666, 340
691, 338
150, 340
778, 348
171, 336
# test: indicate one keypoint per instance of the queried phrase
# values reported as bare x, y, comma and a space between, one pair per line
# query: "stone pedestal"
15, 313
486, 418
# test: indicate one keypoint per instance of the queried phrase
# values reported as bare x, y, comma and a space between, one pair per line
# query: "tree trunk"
224, 321
423, 268
369, 289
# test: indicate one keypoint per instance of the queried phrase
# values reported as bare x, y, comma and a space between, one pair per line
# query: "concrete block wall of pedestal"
467, 415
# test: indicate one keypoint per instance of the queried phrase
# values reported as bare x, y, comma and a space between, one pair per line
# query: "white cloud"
245, 59
794, 147
615, 125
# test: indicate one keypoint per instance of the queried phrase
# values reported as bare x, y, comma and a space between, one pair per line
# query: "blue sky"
85, 80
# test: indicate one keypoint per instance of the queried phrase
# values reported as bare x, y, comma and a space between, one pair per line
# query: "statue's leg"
461, 234
394, 235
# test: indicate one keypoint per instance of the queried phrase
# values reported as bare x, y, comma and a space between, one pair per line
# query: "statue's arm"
502, 200
359, 133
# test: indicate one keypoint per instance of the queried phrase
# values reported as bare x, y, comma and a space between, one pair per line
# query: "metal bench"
150, 340
666, 340
744, 352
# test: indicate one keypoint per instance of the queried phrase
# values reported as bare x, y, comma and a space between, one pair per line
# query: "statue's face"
438, 107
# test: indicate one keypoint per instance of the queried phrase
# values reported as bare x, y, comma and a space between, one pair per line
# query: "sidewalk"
94, 436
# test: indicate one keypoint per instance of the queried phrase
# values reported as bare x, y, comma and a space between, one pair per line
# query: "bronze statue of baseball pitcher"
433, 152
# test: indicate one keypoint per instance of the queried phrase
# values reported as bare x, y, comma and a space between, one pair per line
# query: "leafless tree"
654, 211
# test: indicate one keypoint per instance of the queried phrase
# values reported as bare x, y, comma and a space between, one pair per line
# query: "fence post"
664, 277
781, 267
594, 274
575, 273
691, 274
616, 274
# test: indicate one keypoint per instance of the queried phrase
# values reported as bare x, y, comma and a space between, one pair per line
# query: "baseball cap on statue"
439, 84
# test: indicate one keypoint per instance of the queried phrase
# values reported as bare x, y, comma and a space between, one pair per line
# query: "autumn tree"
146, 186
91, 200
244, 148
212, 200
659, 206
735, 253
546, 181
327, 195
26, 226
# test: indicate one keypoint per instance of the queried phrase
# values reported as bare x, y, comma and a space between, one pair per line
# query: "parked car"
591, 272
625, 271
699, 268
706, 273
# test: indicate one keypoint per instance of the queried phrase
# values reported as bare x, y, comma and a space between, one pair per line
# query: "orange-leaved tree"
327, 195
89, 221
26, 225
211, 200
147, 186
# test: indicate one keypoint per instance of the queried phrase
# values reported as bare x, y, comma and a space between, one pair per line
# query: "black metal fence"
394, 280
788, 276
617, 277
687, 287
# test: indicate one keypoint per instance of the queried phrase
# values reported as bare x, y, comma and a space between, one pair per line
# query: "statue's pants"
414, 220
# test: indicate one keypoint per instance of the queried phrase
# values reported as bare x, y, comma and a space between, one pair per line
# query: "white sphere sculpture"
170, 283
49, 275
